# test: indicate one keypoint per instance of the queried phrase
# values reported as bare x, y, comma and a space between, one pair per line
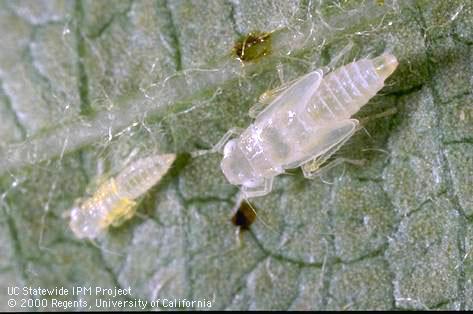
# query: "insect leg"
318, 171
383, 114
218, 148
312, 168
267, 97
122, 211
256, 109
342, 54
365, 120
260, 190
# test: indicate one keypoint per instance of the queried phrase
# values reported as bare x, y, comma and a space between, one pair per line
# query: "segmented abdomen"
342, 92
141, 175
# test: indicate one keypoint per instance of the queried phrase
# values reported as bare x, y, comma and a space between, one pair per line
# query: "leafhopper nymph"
304, 124
114, 201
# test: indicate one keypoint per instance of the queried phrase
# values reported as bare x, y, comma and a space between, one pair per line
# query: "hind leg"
259, 190
331, 142
314, 170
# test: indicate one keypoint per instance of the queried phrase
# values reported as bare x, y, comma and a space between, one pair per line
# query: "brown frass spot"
244, 216
253, 46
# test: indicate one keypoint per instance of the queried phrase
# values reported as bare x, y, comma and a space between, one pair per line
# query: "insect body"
304, 125
114, 201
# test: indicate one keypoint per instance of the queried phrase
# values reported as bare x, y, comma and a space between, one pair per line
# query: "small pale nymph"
114, 201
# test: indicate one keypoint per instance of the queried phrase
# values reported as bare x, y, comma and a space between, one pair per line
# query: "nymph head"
236, 167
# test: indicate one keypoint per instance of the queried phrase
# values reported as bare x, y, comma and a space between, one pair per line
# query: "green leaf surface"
87, 85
